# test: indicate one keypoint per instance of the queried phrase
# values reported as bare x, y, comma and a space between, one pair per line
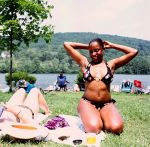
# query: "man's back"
61, 80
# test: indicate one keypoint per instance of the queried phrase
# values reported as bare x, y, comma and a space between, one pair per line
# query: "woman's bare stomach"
97, 92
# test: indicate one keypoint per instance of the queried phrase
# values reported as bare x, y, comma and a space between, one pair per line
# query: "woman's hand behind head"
107, 44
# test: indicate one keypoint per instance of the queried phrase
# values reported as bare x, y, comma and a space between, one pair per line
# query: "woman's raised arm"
130, 53
71, 49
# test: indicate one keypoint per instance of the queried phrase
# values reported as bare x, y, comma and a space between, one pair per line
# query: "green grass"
134, 109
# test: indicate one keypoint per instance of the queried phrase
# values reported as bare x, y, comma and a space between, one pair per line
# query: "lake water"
44, 80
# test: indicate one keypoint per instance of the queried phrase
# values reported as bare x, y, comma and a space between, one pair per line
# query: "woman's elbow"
66, 44
136, 52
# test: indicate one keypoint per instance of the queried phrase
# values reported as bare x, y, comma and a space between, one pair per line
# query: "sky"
130, 18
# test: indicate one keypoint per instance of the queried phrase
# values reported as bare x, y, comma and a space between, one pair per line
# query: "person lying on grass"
23, 107
96, 107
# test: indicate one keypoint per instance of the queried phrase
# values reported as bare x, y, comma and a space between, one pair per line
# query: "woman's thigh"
90, 116
32, 100
112, 119
18, 97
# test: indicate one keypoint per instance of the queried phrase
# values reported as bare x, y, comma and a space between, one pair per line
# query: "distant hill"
52, 58
142, 45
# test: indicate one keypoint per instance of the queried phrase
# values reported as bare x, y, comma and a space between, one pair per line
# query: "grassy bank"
134, 109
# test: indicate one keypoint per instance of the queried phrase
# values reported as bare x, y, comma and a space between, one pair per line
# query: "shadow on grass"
11, 140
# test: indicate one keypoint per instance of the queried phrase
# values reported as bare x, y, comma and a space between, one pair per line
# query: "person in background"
24, 84
62, 82
96, 107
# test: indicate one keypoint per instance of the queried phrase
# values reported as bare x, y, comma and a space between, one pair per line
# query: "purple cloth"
56, 122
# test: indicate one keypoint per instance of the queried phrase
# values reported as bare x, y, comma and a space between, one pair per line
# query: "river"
44, 80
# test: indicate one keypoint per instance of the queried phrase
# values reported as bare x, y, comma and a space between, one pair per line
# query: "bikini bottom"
99, 105
26, 107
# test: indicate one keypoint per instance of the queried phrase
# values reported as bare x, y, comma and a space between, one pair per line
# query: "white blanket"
75, 131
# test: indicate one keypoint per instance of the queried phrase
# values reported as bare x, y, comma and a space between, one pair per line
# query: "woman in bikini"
96, 107
22, 107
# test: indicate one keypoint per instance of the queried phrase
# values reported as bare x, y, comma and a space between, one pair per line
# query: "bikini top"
107, 79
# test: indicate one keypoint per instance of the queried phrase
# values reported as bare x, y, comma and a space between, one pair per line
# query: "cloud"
71, 12
100, 16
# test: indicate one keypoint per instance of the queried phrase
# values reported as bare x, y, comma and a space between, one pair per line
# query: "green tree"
21, 21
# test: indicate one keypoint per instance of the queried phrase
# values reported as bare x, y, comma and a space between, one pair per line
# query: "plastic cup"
92, 140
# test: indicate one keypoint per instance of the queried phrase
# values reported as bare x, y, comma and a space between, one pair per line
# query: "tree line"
42, 57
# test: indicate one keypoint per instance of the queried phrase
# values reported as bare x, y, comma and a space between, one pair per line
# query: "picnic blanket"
70, 131
73, 133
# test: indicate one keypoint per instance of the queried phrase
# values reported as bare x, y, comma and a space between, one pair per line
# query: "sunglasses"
77, 141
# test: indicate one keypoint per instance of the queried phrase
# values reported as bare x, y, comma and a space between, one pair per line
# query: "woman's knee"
21, 90
93, 126
34, 90
115, 128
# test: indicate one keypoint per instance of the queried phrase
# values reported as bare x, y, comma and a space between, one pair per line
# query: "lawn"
134, 109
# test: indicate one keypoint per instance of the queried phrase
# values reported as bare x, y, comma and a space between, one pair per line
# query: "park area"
134, 109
